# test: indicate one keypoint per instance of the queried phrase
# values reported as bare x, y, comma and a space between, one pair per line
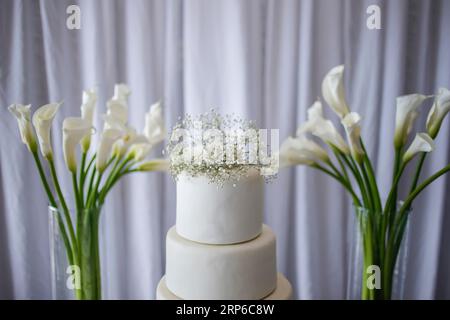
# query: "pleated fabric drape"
261, 59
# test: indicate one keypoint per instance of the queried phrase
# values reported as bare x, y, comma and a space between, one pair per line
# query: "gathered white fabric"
261, 59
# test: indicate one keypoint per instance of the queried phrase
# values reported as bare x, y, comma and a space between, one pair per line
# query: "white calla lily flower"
333, 91
407, 112
439, 110
315, 111
121, 92
322, 128
325, 130
421, 143
300, 150
139, 151
118, 110
118, 105
88, 105
104, 149
74, 129
154, 165
87, 113
155, 129
42, 121
22, 113
129, 137
351, 123
111, 122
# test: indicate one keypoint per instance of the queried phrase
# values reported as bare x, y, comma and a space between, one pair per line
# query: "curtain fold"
261, 59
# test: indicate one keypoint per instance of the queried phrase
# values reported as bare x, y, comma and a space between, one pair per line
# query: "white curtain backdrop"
262, 59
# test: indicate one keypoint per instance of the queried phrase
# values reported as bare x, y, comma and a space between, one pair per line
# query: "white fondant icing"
213, 214
283, 291
238, 271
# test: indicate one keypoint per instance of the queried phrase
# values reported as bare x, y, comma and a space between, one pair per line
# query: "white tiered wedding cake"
219, 248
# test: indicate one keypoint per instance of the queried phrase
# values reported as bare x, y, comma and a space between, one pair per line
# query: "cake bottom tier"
283, 290
244, 271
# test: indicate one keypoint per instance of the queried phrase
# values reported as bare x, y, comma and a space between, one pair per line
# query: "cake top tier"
222, 148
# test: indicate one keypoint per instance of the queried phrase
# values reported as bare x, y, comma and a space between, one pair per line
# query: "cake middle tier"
230, 213
239, 271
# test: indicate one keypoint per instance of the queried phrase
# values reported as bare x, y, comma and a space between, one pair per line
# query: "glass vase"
390, 283
74, 253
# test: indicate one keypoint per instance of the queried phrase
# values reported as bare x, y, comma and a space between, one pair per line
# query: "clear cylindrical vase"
359, 269
74, 253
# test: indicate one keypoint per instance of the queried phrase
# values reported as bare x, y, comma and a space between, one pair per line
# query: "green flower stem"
366, 240
388, 216
82, 176
79, 206
87, 267
364, 289
373, 185
93, 192
367, 261
91, 180
361, 179
346, 180
344, 170
340, 179
91, 185
64, 205
128, 167
91, 162
96, 252
368, 187
407, 204
130, 171
386, 273
51, 199
358, 179
373, 228
118, 169
96, 187
391, 205
341, 164
80, 235
372, 178
397, 165
399, 235
62, 228
114, 176
418, 171
390, 213
114, 181
397, 240
113, 169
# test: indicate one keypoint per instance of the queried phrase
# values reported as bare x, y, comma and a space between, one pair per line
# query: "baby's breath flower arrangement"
221, 148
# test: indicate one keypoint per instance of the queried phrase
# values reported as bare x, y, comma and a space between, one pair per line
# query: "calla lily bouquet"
121, 150
382, 224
